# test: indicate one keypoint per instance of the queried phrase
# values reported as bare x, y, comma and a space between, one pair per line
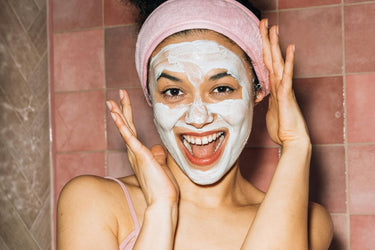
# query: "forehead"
193, 35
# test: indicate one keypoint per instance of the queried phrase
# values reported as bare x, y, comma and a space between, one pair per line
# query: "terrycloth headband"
226, 17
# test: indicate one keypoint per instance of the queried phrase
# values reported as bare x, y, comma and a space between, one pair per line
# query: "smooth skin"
175, 213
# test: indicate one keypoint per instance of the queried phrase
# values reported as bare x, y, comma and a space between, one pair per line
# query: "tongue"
204, 151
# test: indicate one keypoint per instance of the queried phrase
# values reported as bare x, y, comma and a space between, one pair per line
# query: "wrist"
162, 209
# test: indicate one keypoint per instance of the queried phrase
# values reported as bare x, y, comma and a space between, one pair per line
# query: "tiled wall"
25, 193
93, 47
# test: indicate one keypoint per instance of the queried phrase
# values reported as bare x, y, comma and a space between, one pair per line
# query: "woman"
203, 66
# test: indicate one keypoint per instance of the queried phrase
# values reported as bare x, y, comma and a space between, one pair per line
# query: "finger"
114, 108
267, 56
126, 105
288, 68
159, 154
127, 134
277, 58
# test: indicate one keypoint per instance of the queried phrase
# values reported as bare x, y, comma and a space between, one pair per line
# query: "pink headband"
226, 17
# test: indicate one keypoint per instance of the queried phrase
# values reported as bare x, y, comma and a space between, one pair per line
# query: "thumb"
159, 154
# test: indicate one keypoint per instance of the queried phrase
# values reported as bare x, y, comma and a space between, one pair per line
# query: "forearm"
281, 221
158, 228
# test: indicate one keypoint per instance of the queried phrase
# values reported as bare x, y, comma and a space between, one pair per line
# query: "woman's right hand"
155, 178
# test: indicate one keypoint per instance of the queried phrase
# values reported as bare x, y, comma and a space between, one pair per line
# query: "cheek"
165, 117
234, 112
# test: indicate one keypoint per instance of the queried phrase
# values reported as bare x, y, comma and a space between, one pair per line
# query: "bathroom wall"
25, 189
93, 50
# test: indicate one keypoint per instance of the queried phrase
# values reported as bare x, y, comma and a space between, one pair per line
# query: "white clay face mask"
205, 154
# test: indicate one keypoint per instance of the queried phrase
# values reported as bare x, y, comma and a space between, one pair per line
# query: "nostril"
198, 114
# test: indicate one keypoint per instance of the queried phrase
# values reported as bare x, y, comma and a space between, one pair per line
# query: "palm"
154, 176
285, 122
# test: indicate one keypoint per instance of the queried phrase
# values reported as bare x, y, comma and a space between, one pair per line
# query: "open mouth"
203, 149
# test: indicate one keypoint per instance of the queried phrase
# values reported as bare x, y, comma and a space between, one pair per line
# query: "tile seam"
345, 130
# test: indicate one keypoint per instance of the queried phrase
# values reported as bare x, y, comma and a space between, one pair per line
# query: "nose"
198, 115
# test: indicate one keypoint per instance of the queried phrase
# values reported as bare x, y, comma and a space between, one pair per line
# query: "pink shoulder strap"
130, 239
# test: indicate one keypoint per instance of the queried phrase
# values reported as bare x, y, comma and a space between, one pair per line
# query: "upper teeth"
202, 140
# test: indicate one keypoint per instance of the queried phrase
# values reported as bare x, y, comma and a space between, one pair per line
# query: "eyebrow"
169, 77
219, 75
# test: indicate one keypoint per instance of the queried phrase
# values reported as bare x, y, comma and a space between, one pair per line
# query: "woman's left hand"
285, 123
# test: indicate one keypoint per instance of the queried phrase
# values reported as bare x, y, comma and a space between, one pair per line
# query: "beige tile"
41, 228
13, 230
26, 11
38, 32
16, 40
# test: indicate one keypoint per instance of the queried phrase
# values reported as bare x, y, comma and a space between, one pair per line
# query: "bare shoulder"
320, 227
91, 207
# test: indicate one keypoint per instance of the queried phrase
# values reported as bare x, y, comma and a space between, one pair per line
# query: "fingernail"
277, 30
113, 116
121, 94
266, 23
109, 105
294, 47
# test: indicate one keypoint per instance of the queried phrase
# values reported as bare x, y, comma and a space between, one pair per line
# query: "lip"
207, 161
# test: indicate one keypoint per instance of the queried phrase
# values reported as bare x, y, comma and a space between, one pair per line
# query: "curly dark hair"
147, 6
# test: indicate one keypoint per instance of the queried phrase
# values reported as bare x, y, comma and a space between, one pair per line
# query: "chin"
204, 157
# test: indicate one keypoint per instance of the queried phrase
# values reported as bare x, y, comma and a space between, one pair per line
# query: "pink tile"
259, 135
258, 165
360, 104
354, 1
118, 165
80, 121
120, 49
116, 12
75, 164
76, 14
321, 101
285, 4
340, 233
265, 4
79, 60
318, 39
328, 179
361, 179
272, 18
143, 118
362, 232
359, 40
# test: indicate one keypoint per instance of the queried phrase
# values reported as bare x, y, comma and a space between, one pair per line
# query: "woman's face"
201, 89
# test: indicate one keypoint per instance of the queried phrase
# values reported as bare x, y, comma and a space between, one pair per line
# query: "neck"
231, 190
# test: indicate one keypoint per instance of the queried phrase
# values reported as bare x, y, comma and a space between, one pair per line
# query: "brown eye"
223, 90
172, 92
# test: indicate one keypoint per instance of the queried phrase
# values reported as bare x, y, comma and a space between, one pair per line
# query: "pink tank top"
129, 241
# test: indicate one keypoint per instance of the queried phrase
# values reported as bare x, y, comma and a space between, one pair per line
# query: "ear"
258, 97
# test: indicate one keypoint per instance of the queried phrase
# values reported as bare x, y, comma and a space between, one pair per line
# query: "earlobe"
258, 97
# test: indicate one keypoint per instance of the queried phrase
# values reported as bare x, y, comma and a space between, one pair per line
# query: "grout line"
52, 148
310, 7
317, 6
93, 28
106, 168
80, 152
360, 3
345, 131
96, 89
360, 73
78, 91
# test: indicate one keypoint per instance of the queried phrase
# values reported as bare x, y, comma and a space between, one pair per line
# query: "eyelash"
222, 90
168, 93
